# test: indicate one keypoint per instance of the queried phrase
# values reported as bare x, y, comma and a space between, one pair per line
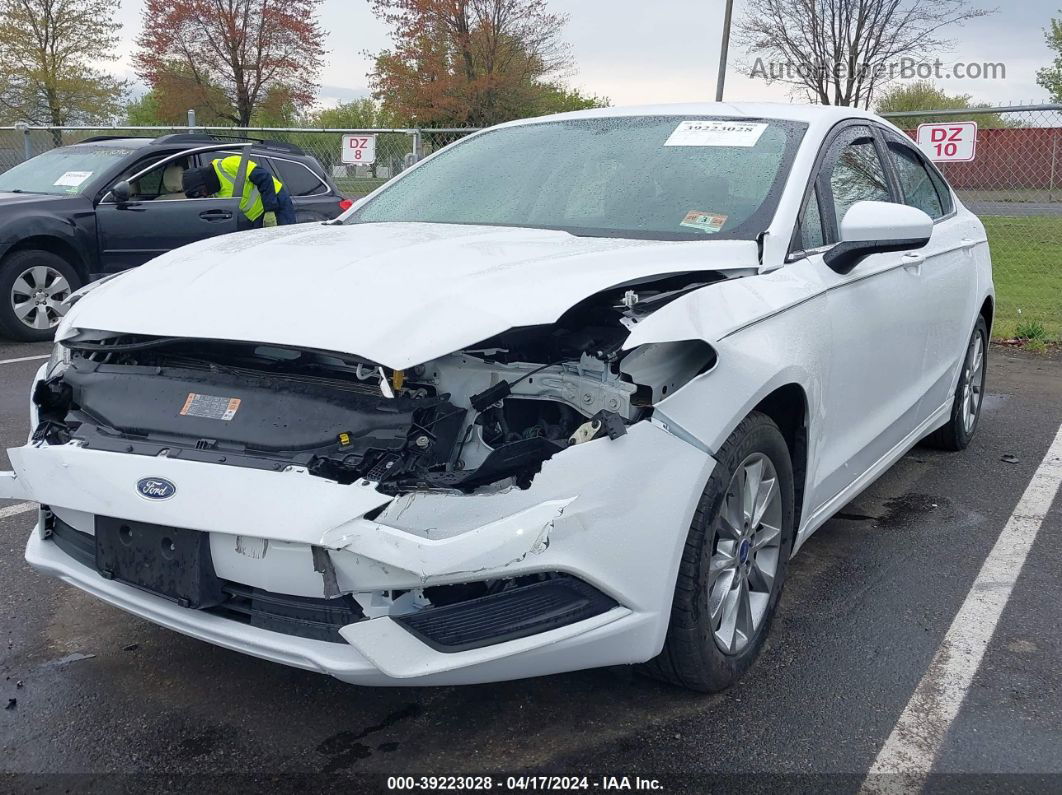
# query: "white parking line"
905, 760
16, 509
24, 359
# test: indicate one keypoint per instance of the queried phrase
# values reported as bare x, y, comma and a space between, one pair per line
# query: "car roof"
815, 116
191, 141
107, 142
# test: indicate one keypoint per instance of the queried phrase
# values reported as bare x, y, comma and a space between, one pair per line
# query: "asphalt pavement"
117, 703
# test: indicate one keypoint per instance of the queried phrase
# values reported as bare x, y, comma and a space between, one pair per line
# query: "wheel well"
53, 245
788, 407
987, 310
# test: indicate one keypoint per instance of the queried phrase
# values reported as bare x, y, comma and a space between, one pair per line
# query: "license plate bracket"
171, 562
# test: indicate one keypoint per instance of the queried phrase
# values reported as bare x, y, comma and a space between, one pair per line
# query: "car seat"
171, 182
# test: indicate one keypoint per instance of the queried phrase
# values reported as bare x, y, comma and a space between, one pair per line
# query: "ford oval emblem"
155, 488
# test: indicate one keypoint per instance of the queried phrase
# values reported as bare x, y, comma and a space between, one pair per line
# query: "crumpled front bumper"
613, 513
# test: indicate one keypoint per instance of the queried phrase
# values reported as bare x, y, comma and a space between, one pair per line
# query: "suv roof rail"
95, 138
180, 138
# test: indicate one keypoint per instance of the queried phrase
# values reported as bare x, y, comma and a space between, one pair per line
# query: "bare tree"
840, 52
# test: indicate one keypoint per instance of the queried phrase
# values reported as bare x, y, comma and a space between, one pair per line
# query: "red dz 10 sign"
944, 143
359, 150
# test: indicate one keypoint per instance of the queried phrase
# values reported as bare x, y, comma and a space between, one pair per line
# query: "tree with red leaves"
231, 55
474, 62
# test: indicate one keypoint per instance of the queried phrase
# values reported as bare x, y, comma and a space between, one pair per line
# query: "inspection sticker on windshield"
706, 222
210, 407
71, 179
716, 133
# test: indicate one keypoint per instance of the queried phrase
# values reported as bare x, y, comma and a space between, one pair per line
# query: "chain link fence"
1015, 186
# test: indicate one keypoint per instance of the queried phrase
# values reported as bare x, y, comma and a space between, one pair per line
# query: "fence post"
1054, 165
27, 142
191, 119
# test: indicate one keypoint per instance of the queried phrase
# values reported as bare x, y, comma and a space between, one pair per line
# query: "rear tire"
708, 648
33, 285
969, 395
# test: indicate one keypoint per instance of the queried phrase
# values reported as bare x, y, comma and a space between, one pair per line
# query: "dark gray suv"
61, 224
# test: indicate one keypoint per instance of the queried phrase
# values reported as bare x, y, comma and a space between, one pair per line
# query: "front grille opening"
527, 607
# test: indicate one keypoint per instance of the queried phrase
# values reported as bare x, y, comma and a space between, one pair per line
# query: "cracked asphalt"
114, 703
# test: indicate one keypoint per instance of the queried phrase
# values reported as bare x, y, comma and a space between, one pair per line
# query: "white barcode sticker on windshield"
716, 133
72, 179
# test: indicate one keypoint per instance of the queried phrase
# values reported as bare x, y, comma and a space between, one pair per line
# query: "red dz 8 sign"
359, 150
944, 143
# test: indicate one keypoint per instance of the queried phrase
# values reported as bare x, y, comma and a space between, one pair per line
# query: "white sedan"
568, 393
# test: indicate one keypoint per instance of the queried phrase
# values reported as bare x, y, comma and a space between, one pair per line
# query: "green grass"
1027, 262
356, 187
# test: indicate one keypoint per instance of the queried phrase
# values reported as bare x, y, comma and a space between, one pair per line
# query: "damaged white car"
568, 393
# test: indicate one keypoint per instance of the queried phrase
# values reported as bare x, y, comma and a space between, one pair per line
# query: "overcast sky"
637, 52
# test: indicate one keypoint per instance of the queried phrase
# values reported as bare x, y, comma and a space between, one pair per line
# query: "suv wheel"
33, 286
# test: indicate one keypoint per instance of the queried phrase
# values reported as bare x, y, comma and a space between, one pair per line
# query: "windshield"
61, 171
666, 177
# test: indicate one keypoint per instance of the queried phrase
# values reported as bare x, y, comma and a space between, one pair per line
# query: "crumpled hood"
399, 294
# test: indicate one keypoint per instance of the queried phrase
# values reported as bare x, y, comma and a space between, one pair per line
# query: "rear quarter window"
297, 178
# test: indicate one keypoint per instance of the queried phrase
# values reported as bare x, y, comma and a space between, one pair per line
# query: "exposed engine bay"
487, 416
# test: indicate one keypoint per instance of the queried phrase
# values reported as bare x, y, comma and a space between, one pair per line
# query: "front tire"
33, 286
734, 563
969, 395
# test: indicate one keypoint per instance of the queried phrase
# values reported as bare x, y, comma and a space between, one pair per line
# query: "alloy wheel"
37, 297
973, 382
745, 554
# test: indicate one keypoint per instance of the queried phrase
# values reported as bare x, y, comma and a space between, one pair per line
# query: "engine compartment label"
716, 133
211, 407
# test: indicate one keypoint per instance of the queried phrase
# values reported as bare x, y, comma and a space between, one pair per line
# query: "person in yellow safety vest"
265, 201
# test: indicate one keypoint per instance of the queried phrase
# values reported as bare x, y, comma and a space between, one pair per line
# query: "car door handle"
215, 215
913, 261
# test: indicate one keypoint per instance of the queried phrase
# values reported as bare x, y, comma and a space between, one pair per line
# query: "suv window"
162, 183
918, 189
858, 174
297, 178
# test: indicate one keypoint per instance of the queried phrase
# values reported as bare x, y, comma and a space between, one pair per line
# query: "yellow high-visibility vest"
251, 204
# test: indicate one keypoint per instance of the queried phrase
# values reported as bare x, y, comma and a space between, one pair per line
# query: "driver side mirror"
121, 192
878, 228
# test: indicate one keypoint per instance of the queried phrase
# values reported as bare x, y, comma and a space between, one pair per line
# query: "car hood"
7, 199
398, 294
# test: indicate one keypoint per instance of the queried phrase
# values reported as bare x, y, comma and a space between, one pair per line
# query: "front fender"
70, 222
767, 331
